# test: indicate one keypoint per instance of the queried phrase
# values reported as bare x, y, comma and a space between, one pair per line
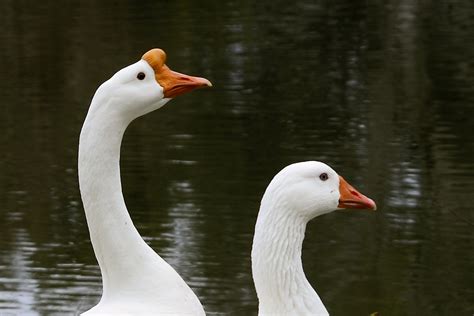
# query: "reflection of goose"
296, 195
136, 280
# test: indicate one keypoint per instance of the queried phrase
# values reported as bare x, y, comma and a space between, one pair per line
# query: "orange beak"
351, 198
173, 83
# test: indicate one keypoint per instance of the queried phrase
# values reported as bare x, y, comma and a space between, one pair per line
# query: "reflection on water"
383, 93
20, 280
406, 189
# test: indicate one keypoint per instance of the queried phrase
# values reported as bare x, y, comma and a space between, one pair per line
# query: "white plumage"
296, 195
136, 280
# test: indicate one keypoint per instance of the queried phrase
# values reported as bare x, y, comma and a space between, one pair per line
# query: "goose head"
143, 87
297, 194
312, 188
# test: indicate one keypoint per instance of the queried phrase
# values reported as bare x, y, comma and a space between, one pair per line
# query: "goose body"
136, 280
296, 195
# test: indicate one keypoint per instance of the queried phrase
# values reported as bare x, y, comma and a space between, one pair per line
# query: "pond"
381, 92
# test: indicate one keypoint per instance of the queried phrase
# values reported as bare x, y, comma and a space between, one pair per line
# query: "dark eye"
141, 76
323, 176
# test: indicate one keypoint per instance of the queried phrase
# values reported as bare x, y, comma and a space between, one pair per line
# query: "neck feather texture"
280, 282
111, 229
133, 274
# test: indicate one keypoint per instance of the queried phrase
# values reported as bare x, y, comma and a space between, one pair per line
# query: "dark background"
380, 90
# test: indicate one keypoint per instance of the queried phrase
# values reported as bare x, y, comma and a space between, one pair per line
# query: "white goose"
136, 280
296, 195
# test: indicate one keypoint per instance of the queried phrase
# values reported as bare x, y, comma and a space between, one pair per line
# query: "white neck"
132, 273
110, 226
280, 282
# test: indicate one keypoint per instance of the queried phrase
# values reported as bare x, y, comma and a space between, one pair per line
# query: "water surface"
382, 93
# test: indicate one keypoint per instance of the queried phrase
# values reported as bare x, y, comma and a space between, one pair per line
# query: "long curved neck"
134, 276
112, 233
280, 282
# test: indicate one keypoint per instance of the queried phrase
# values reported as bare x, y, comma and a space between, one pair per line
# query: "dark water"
383, 93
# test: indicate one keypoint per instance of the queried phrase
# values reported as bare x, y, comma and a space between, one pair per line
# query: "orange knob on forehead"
172, 82
156, 57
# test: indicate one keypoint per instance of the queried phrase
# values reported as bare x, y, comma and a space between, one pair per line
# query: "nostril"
355, 193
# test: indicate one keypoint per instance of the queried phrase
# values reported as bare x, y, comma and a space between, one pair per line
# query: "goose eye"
323, 176
141, 76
